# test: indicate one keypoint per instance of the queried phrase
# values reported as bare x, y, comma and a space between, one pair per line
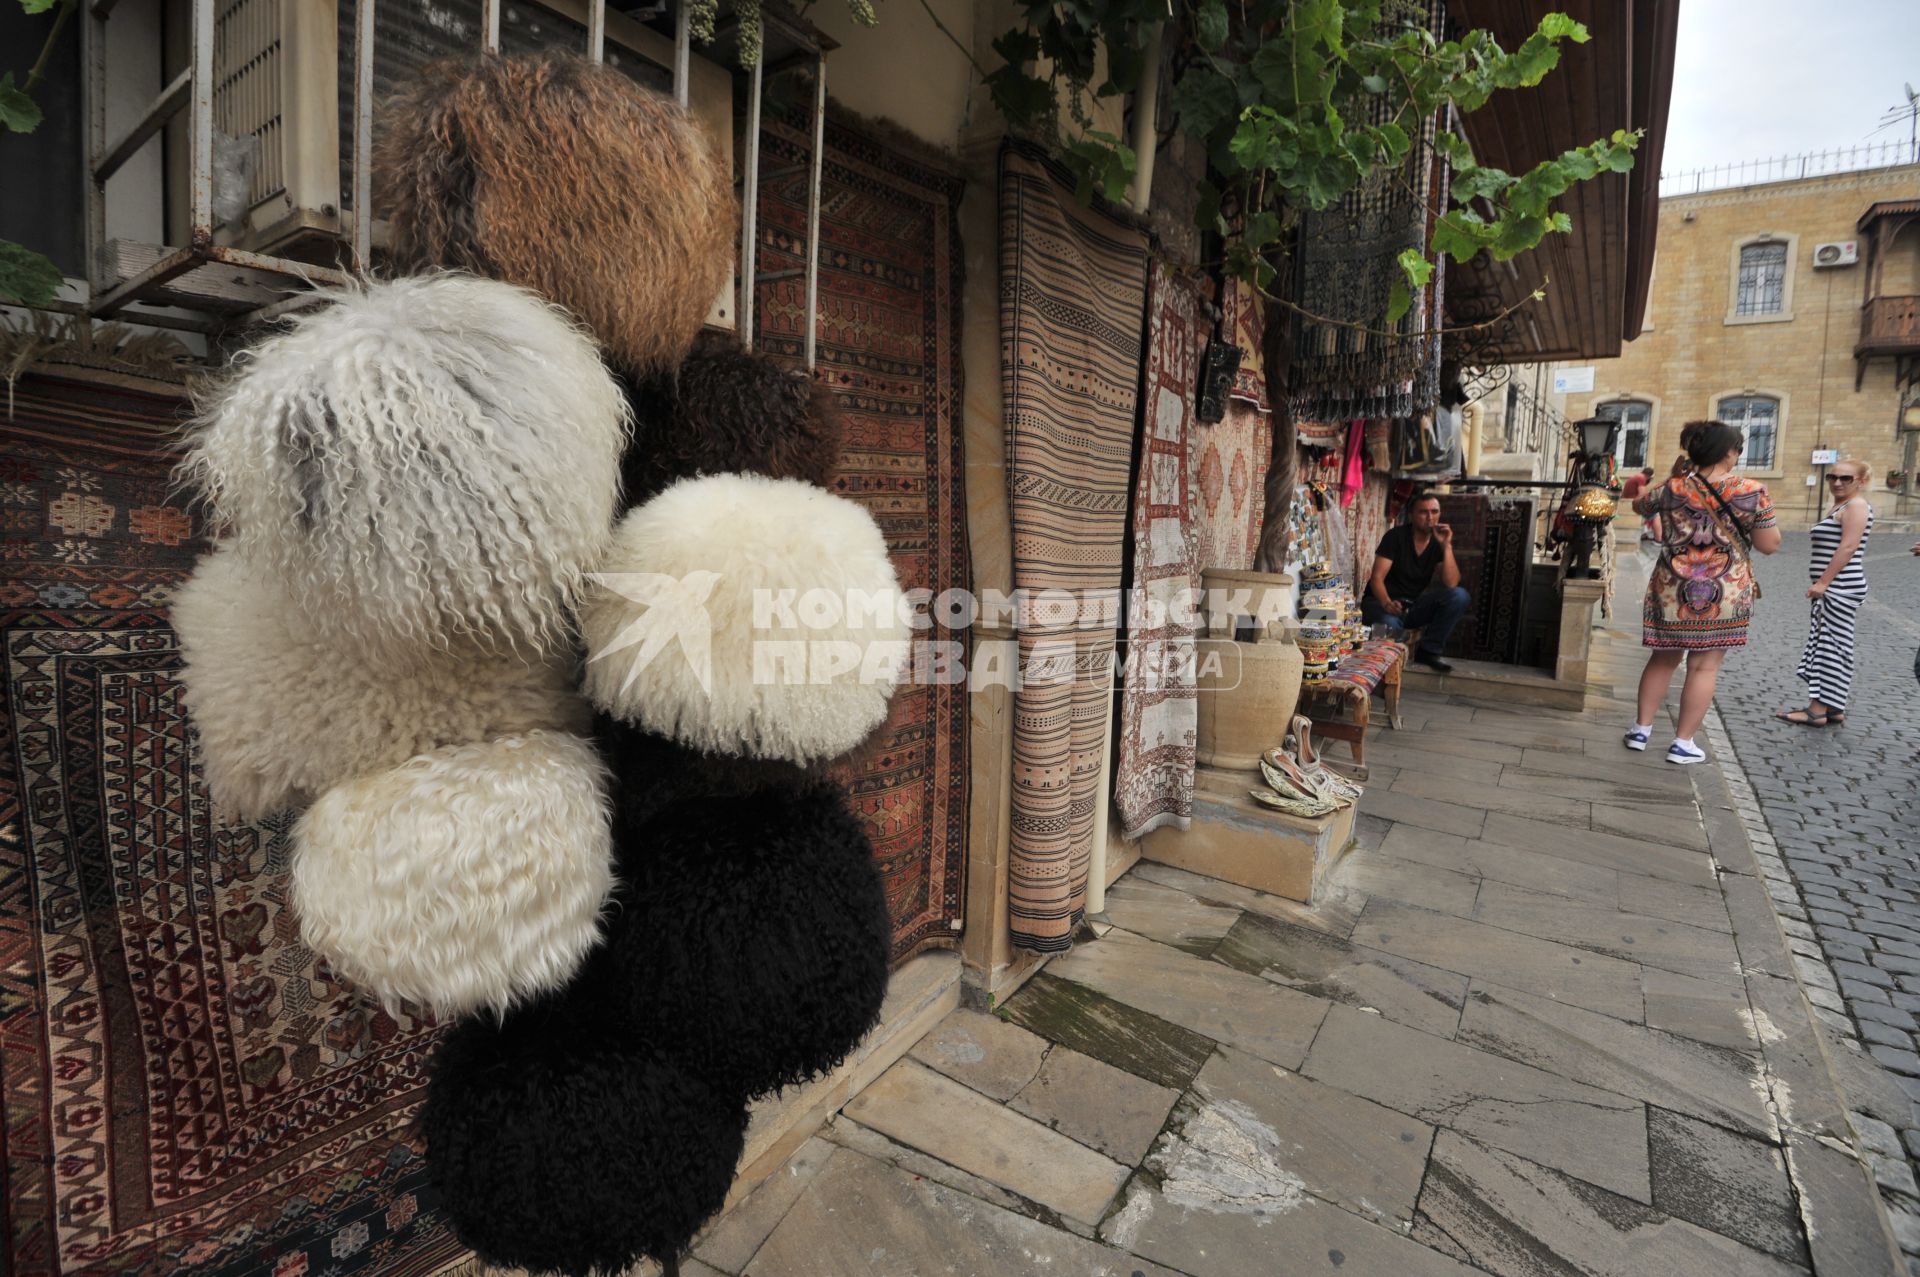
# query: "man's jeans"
1434, 613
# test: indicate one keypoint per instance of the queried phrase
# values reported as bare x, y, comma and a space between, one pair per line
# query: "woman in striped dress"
1839, 588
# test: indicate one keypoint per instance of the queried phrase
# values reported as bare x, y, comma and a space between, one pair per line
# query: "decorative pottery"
1247, 691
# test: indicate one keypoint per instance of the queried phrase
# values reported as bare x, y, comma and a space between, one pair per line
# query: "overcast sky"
1760, 78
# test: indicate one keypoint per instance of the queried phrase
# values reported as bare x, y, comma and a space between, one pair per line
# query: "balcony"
1889, 326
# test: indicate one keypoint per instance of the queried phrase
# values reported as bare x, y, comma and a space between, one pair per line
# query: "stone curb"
1831, 1150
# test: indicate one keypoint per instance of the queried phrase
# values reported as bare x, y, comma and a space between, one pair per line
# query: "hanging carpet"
188, 1087
889, 345
1230, 457
1493, 544
1159, 716
1073, 284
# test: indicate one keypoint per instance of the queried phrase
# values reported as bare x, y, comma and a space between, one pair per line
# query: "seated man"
1416, 583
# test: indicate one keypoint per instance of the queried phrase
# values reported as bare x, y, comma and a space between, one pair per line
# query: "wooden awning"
1596, 277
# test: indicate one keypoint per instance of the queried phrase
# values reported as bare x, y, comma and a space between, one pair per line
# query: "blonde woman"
1839, 588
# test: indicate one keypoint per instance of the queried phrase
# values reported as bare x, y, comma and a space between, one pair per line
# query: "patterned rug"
1230, 457
889, 343
1073, 287
188, 1089
1159, 716
1493, 543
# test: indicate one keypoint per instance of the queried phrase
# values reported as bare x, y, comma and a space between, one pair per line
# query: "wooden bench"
1375, 666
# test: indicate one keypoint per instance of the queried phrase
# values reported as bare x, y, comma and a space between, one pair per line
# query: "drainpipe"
1146, 139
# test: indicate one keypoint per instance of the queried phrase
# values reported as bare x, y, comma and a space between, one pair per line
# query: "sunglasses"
1843, 478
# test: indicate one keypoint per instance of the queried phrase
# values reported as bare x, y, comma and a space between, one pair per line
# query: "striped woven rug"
1073, 285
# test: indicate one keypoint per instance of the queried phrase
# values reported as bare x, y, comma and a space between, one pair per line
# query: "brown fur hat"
728, 410
566, 177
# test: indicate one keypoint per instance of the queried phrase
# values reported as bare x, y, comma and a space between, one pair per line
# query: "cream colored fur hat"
426, 461
283, 713
745, 615
468, 878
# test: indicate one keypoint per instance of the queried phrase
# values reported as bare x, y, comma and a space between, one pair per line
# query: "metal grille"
246, 88
1763, 280
1758, 417
1634, 417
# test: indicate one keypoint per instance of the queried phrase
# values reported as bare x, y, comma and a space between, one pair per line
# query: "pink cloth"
1353, 471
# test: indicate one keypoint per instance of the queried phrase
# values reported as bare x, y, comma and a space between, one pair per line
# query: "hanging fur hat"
552, 1151
745, 615
426, 462
778, 865
471, 877
566, 176
282, 714
726, 409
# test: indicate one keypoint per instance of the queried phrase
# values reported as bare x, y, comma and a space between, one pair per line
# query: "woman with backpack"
1701, 593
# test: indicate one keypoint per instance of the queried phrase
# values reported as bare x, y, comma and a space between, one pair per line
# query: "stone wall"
1695, 351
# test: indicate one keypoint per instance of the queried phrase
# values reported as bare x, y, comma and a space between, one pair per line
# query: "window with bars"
1758, 417
1763, 280
1636, 420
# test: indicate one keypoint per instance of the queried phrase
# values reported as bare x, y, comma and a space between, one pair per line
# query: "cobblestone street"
1837, 804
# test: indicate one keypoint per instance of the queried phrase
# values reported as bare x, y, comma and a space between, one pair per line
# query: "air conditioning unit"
1839, 253
284, 78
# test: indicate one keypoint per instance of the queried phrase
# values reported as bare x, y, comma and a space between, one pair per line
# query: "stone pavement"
1835, 810
1545, 1022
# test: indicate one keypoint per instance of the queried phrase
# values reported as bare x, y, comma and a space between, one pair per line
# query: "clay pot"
1247, 695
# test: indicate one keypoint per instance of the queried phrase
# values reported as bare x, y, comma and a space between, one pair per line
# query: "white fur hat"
746, 615
468, 878
423, 460
283, 714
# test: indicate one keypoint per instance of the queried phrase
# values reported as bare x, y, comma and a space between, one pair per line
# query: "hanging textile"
1493, 544
1348, 266
1353, 464
1243, 321
1159, 717
1072, 302
189, 1088
1367, 523
889, 345
1321, 434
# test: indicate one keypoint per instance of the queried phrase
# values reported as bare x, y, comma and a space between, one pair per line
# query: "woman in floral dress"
1700, 595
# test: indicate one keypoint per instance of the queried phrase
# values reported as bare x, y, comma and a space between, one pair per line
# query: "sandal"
1804, 720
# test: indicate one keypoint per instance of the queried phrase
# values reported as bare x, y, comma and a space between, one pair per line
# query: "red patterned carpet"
889, 343
187, 1088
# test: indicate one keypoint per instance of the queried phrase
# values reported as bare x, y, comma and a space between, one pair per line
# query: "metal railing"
1789, 168
191, 92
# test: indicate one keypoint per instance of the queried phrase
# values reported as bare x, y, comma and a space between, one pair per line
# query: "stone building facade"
1743, 325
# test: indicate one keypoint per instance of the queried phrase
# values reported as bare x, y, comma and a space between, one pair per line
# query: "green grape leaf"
1210, 25
1399, 301
1204, 100
26, 276
1416, 267
18, 114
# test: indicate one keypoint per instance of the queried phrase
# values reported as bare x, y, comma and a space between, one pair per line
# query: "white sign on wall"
1573, 381
1825, 456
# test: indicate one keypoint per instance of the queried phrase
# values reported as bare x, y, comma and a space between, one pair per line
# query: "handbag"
1746, 542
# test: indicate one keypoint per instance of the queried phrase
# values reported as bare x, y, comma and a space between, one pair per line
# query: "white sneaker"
1635, 738
1685, 754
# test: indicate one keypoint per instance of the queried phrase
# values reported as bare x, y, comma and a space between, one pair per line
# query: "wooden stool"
1375, 665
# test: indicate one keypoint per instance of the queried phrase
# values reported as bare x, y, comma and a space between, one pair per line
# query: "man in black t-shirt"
1416, 583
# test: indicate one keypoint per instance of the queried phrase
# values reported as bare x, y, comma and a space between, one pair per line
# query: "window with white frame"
1758, 418
1762, 286
1636, 420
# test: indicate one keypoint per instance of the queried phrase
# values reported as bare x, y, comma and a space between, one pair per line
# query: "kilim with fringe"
1073, 284
1159, 712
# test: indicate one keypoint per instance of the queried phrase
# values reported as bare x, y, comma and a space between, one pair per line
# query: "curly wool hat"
551, 1150
468, 878
423, 462
564, 175
728, 410
744, 615
282, 714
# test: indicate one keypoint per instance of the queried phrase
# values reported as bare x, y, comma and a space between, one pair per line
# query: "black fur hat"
727, 410
554, 1149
